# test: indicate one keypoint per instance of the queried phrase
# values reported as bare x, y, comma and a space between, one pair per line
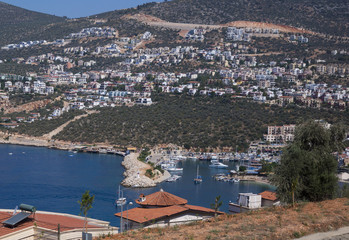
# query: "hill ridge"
17, 22
323, 16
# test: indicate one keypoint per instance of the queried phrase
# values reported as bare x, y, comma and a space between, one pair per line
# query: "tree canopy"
307, 170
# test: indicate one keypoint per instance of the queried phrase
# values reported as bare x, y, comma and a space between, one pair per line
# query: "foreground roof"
49, 220
143, 215
161, 199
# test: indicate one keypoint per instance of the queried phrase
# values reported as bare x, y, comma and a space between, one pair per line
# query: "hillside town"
88, 83
235, 71
228, 117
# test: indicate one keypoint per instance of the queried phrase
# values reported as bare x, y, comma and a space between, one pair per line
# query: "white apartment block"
280, 134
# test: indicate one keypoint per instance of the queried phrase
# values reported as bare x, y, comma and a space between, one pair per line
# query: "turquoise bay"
54, 180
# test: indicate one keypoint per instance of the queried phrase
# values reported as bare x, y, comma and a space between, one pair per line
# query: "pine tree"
307, 170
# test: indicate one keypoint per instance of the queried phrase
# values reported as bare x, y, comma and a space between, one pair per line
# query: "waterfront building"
162, 209
52, 225
280, 134
246, 202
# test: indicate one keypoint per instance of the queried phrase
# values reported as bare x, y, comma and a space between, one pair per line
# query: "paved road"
340, 234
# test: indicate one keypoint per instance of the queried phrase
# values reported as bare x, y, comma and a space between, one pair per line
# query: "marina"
45, 176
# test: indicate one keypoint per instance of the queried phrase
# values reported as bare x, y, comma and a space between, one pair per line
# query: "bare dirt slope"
157, 22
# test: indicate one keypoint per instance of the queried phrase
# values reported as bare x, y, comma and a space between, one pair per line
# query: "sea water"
54, 180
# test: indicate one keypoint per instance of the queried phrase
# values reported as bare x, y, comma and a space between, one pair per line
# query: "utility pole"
121, 220
59, 232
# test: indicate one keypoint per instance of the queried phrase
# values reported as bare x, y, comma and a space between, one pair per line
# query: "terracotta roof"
202, 209
142, 215
162, 199
268, 195
49, 221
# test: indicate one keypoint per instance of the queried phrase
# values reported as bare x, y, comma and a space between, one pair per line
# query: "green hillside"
325, 16
199, 122
18, 24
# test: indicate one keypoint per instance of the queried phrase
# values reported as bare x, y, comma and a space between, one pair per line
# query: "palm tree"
216, 205
85, 205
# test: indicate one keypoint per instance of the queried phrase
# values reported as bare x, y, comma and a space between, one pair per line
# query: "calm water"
54, 180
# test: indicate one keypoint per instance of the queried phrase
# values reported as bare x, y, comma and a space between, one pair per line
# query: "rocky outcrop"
135, 173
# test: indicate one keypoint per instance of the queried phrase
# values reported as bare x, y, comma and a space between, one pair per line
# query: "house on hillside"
246, 202
162, 209
269, 199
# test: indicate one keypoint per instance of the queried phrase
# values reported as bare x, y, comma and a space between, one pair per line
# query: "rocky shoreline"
135, 173
134, 169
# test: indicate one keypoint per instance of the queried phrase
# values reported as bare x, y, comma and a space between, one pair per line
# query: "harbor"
46, 175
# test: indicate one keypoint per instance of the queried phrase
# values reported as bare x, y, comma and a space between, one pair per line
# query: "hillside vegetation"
325, 16
40, 128
18, 23
197, 122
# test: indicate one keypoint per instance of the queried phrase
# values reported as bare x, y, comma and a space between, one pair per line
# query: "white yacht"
171, 167
174, 169
173, 178
217, 164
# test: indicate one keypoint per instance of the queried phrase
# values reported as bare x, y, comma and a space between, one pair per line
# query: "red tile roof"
45, 220
202, 209
268, 195
143, 215
162, 199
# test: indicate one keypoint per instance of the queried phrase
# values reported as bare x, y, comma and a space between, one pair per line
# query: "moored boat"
217, 164
198, 178
173, 178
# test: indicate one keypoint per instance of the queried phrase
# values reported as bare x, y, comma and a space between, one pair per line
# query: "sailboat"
121, 201
198, 178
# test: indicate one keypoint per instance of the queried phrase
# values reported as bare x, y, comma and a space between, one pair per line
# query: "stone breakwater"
135, 173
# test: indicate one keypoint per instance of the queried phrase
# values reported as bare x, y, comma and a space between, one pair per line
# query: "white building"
246, 202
